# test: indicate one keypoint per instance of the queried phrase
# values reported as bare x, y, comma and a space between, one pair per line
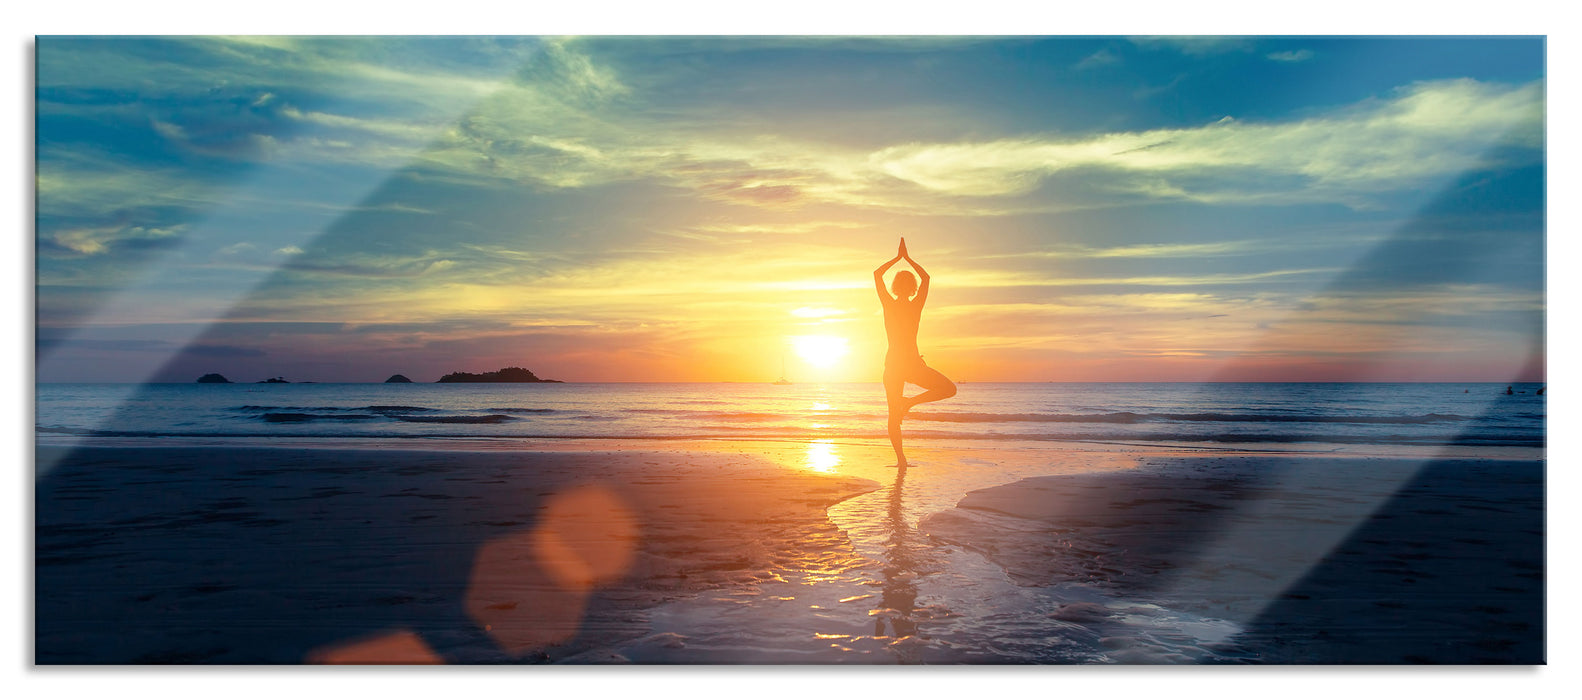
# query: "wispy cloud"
1198, 249
1013, 279
1165, 250
788, 228
1296, 56
98, 240
1350, 156
1424, 131
1098, 59
1195, 45
711, 197
566, 120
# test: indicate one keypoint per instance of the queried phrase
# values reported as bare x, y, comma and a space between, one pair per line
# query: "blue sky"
636, 208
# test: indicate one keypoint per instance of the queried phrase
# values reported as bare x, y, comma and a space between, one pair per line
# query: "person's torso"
901, 319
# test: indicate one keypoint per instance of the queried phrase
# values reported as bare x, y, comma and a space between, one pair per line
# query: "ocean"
235, 552
1149, 413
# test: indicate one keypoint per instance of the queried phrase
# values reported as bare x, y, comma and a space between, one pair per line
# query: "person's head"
904, 285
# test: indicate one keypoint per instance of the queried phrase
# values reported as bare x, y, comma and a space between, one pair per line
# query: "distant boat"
782, 381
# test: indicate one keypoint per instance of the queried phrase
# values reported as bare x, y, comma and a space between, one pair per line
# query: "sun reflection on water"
822, 457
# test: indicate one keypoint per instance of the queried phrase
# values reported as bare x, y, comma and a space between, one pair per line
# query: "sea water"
1342, 413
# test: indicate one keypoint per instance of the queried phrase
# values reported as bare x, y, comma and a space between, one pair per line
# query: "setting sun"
821, 351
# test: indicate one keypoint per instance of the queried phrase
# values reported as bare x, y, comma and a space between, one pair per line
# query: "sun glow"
822, 351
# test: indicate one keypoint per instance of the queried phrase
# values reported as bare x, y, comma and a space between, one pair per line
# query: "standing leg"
937, 385
894, 384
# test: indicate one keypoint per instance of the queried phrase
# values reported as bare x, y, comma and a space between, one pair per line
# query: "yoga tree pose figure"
903, 363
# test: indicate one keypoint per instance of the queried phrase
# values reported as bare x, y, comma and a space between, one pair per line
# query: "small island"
507, 375
274, 380
212, 378
398, 379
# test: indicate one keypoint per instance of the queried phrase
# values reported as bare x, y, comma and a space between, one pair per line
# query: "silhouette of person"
902, 362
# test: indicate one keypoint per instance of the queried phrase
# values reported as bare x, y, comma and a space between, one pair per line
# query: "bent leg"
937, 386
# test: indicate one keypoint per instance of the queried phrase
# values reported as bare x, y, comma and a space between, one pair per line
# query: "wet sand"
1320, 559
785, 552
221, 555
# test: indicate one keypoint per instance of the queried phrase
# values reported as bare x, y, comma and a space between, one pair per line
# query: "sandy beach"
784, 552
392, 556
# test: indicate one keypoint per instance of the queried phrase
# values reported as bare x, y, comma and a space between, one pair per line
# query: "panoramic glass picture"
789, 350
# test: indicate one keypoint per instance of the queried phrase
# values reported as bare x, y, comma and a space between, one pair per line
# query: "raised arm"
878, 278
922, 277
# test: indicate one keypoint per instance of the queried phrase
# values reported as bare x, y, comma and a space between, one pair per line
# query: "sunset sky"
702, 209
